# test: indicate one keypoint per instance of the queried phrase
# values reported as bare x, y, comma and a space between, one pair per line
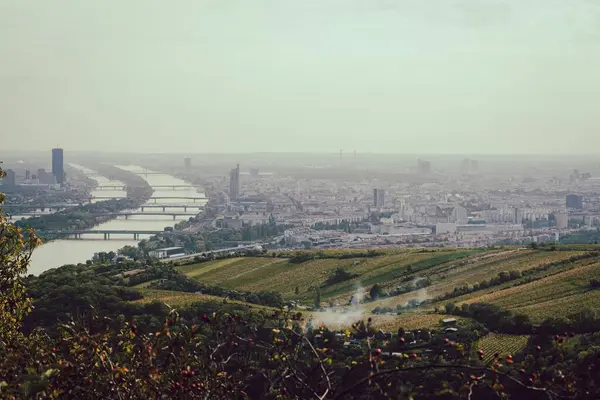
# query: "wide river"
60, 252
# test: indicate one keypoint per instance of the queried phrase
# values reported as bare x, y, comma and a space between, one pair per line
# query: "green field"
180, 299
559, 294
281, 275
502, 344
475, 269
559, 287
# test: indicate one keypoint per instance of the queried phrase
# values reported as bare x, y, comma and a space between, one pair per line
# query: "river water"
60, 252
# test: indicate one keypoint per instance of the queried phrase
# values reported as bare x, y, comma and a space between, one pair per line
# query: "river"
60, 252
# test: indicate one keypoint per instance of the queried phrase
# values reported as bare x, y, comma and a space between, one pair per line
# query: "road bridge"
124, 187
165, 206
128, 214
76, 234
194, 198
52, 207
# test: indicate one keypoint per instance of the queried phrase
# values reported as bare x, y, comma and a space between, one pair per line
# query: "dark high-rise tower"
58, 168
234, 183
10, 180
378, 197
574, 201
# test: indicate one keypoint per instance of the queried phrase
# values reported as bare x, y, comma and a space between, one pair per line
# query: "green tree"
15, 252
376, 291
318, 298
297, 291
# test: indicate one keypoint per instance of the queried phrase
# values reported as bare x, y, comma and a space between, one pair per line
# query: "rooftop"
169, 248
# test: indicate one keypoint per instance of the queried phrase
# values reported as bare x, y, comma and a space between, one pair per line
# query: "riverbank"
60, 252
85, 216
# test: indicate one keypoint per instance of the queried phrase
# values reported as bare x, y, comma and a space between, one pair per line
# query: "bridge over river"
76, 234
193, 198
55, 207
124, 187
125, 214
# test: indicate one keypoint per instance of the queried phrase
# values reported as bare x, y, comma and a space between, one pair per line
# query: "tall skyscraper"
10, 179
378, 197
187, 164
518, 216
562, 220
58, 168
27, 174
574, 201
459, 215
234, 183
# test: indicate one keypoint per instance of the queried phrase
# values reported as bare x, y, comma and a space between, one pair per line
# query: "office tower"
459, 215
58, 168
234, 183
562, 220
27, 174
187, 164
574, 201
378, 197
10, 179
518, 217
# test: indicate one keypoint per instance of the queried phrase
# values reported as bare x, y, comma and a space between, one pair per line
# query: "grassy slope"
180, 299
472, 270
558, 291
559, 294
501, 344
277, 274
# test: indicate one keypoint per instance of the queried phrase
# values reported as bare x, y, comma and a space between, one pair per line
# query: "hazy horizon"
279, 76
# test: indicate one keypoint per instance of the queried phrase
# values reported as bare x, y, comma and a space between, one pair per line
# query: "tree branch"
443, 366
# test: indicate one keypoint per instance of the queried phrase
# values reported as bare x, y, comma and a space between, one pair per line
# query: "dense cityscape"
339, 205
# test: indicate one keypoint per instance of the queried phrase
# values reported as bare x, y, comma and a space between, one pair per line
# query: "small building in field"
167, 252
449, 321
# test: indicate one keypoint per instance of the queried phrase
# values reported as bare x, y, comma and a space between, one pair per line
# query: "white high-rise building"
562, 220
459, 215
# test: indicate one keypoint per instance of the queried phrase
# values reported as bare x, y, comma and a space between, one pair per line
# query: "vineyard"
559, 294
283, 276
470, 270
559, 289
410, 321
502, 344
181, 299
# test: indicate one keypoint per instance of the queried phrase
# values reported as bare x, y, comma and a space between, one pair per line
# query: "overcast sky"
394, 76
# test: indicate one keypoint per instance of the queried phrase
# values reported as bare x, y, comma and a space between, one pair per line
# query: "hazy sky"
399, 76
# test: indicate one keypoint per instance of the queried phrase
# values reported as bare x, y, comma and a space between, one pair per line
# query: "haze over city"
306, 76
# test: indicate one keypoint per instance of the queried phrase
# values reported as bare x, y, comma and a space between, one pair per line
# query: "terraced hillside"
284, 276
447, 276
562, 293
543, 283
180, 299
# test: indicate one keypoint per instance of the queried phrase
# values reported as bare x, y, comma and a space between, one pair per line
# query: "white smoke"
341, 317
419, 295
